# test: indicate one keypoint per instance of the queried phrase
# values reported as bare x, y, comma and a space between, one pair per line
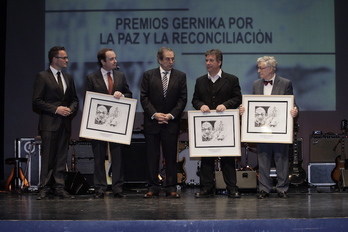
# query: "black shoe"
42, 195
283, 194
63, 194
98, 195
173, 195
262, 195
120, 195
150, 195
204, 194
234, 195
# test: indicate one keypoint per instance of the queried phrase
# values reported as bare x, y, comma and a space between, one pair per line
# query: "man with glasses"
272, 84
55, 98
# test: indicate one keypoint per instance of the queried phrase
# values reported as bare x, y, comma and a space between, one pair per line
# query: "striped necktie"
165, 83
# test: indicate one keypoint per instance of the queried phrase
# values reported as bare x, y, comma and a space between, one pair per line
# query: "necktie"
111, 84
165, 83
60, 83
266, 82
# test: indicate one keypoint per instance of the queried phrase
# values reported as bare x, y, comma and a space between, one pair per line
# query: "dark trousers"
100, 154
153, 151
54, 151
207, 173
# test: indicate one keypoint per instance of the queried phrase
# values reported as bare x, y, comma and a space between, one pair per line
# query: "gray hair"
269, 61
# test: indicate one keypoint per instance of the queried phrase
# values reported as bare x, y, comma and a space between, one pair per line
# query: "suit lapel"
275, 89
172, 80
101, 82
158, 81
220, 82
53, 80
259, 87
206, 83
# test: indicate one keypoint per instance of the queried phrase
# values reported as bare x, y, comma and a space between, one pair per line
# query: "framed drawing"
107, 118
214, 134
267, 119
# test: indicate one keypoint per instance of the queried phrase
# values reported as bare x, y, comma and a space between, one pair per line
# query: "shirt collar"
104, 72
162, 71
272, 79
54, 71
217, 76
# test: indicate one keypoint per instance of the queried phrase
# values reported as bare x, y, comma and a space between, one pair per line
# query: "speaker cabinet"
325, 148
344, 178
76, 184
84, 158
319, 174
246, 179
135, 162
30, 148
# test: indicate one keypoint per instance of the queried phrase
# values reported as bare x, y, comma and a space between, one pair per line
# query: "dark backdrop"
23, 24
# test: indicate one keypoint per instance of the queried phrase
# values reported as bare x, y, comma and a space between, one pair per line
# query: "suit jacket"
47, 96
96, 83
227, 92
152, 99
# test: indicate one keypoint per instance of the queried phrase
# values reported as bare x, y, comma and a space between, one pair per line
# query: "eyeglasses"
63, 58
260, 68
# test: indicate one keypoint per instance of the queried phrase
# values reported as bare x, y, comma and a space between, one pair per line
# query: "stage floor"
304, 203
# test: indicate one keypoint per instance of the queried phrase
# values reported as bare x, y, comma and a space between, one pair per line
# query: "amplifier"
30, 148
319, 174
325, 148
84, 158
246, 179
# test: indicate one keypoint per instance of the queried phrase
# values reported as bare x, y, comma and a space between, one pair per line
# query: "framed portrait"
107, 118
267, 119
214, 134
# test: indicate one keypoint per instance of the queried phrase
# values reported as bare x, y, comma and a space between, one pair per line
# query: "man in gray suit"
272, 84
107, 80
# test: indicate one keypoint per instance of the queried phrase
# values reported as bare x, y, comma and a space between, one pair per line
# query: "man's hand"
118, 95
294, 112
162, 118
241, 110
220, 108
205, 109
63, 110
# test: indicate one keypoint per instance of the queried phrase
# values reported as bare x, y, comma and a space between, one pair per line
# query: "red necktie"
111, 84
266, 82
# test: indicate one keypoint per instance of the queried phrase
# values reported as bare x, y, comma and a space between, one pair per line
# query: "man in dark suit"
108, 81
163, 97
218, 91
54, 96
272, 84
